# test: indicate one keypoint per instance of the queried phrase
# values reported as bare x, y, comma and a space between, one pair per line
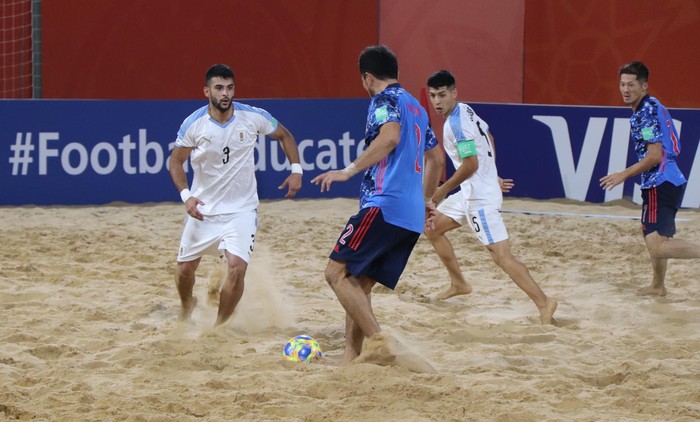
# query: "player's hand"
327, 178
430, 215
611, 180
506, 184
293, 181
191, 207
439, 195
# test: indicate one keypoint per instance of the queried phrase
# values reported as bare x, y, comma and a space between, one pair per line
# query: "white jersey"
481, 189
222, 157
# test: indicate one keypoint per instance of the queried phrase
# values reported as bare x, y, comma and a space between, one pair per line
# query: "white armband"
185, 195
296, 168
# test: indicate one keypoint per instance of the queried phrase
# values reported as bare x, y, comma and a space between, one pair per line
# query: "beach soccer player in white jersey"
469, 145
219, 139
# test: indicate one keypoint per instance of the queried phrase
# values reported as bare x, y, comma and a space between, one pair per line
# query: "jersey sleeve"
185, 138
184, 134
650, 130
463, 126
263, 121
386, 109
430, 139
267, 123
465, 131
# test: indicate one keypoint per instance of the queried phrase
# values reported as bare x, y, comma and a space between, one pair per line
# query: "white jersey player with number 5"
464, 135
219, 139
469, 144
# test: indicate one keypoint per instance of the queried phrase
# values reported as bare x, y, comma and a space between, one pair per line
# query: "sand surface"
89, 327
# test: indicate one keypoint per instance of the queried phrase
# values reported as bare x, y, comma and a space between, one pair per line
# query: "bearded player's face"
220, 93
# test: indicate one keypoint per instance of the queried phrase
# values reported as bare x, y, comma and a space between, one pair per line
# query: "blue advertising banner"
562, 152
97, 152
55, 152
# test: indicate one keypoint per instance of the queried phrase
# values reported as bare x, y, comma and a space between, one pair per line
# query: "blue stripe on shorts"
485, 226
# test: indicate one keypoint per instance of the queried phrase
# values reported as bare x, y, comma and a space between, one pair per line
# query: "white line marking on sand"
573, 214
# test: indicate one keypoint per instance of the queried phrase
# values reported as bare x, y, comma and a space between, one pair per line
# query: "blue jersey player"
657, 145
401, 167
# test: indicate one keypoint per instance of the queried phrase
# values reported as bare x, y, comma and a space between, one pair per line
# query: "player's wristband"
296, 168
428, 200
185, 195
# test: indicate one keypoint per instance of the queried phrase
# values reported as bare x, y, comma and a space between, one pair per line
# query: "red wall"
480, 42
534, 51
160, 49
481, 45
573, 50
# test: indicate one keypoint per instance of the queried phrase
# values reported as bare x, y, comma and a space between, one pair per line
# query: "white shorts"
232, 232
486, 222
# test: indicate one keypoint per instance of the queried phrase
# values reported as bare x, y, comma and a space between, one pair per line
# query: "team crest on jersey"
381, 114
241, 136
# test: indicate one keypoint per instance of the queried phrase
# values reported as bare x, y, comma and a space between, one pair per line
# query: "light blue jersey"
395, 184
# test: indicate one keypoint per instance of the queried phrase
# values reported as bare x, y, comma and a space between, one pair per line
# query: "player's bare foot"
382, 349
187, 308
455, 290
652, 291
547, 311
348, 357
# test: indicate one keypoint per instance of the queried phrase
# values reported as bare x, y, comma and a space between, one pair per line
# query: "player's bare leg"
657, 287
354, 337
547, 311
380, 349
185, 284
353, 340
216, 280
654, 243
352, 294
661, 248
518, 272
232, 289
444, 249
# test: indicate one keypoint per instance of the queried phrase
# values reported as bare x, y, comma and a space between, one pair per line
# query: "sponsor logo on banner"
95, 152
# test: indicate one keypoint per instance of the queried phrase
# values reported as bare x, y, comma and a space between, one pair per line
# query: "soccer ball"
302, 348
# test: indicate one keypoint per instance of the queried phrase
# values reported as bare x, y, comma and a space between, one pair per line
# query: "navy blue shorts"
373, 248
659, 208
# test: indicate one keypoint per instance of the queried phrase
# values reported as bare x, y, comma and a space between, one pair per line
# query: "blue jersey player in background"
657, 145
401, 167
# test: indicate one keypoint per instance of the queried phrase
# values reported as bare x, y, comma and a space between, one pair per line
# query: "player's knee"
501, 256
236, 271
186, 269
432, 234
330, 276
333, 273
654, 242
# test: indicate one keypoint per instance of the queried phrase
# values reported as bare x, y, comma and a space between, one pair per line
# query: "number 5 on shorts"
475, 224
